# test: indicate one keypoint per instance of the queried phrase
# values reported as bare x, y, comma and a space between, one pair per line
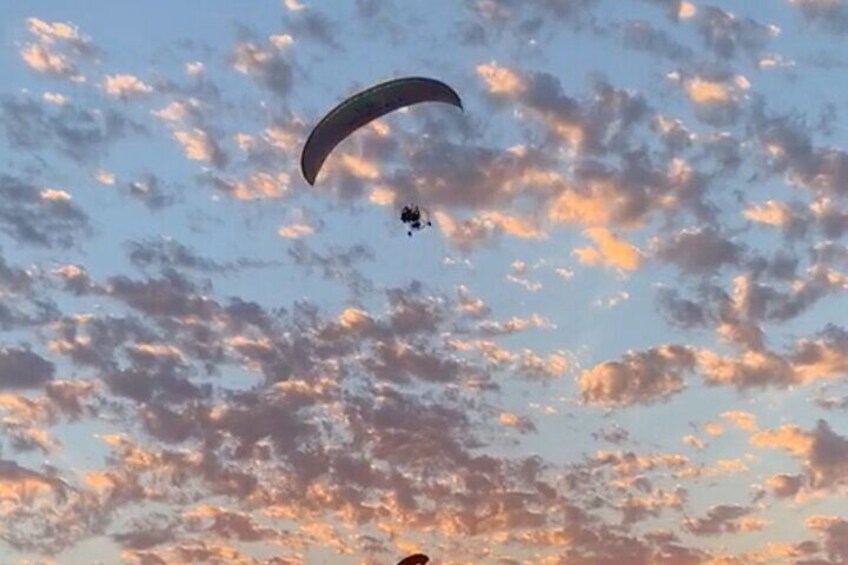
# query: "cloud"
166, 254
521, 228
680, 311
614, 434
42, 511
676, 9
533, 367
411, 310
629, 464
721, 520
564, 273
827, 14
75, 279
337, 263
603, 123
125, 86
39, 58
823, 357
608, 251
625, 198
76, 132
55, 195
832, 403
269, 67
58, 49
500, 81
54, 98
259, 186
524, 364
199, 145
171, 295
293, 5
637, 508
739, 313
830, 218
30, 218
226, 524
612, 301
490, 177
406, 430
527, 19
194, 68
807, 361
465, 235
824, 452
777, 214
180, 113
26, 422
489, 328
643, 36
105, 177
697, 250
149, 191
517, 270
784, 485
788, 149
706, 92
295, 231
69, 396
144, 537
315, 26
725, 33
716, 96
751, 368
693, 442
24, 439
469, 304
640, 377
58, 31
713, 429
744, 421
521, 423
834, 530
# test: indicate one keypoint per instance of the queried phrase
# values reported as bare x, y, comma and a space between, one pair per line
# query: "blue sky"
620, 342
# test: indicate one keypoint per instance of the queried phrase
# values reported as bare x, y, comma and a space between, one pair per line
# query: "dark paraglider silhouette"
365, 107
416, 559
361, 109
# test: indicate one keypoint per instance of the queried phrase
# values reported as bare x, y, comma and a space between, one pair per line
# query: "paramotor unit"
411, 216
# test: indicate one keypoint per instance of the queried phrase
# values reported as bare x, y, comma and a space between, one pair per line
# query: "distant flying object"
365, 107
411, 216
416, 559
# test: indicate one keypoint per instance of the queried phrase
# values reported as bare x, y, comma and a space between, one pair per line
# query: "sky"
621, 341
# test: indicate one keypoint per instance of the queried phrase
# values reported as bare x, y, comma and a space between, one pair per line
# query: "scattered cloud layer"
618, 342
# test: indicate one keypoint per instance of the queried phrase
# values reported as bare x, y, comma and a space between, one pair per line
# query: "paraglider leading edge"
364, 107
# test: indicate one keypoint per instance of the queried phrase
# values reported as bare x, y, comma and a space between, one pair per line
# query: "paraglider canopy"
416, 559
364, 107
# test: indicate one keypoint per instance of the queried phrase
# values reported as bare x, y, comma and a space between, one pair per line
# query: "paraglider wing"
417, 559
364, 107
